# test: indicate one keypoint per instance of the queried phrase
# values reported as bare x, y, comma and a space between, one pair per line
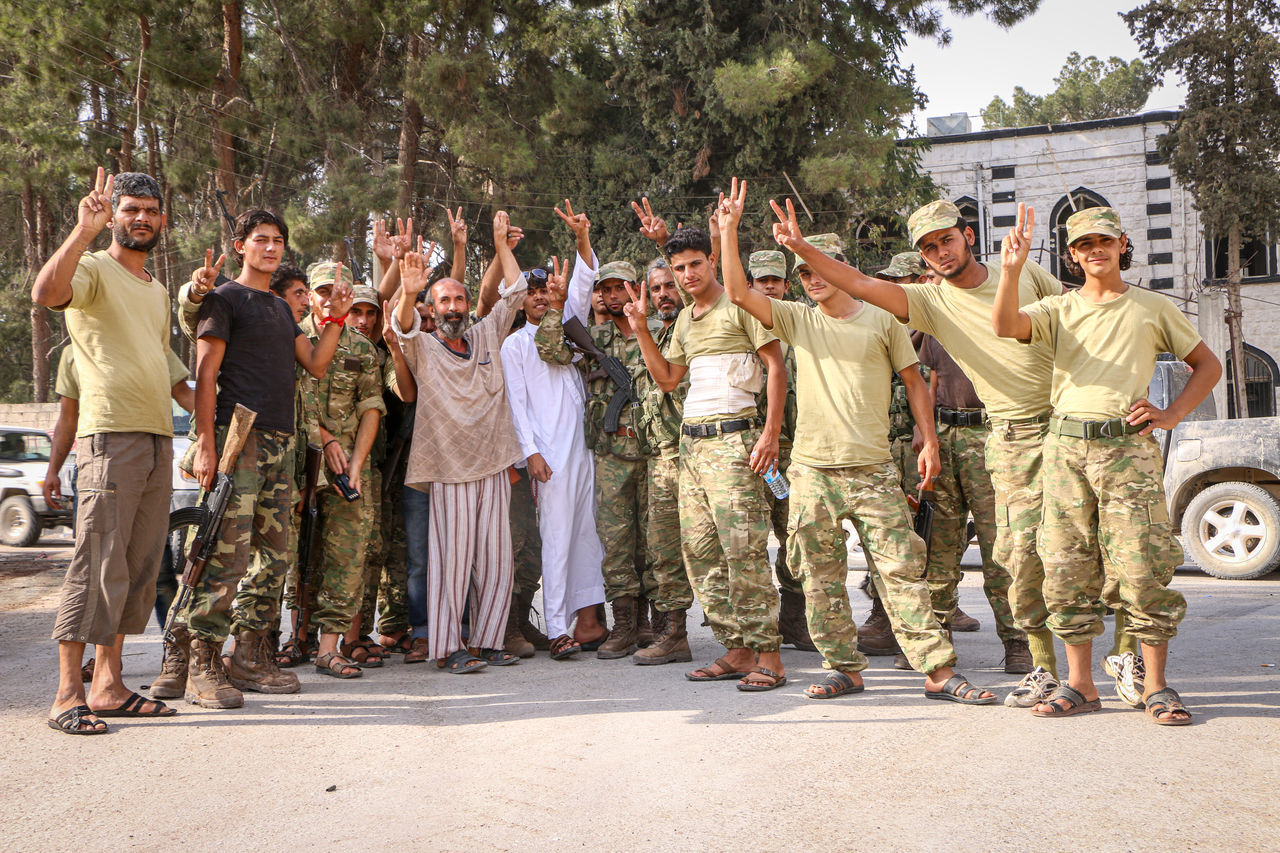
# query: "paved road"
604, 755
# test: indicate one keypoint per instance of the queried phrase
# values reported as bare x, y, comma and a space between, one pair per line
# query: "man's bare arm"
666, 374
52, 287
1007, 320
735, 277
765, 453
920, 401
64, 435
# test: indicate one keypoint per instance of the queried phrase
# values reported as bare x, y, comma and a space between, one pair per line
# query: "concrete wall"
36, 415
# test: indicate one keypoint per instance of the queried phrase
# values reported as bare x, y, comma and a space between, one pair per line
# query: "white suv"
24, 459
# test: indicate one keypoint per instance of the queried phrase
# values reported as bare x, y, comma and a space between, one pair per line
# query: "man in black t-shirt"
247, 344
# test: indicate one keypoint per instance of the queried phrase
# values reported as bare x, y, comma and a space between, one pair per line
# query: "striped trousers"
469, 550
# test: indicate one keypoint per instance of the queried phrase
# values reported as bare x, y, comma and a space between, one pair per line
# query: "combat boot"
875, 636
1017, 656
622, 639
172, 681
645, 630
207, 683
527, 629
670, 643
964, 623
792, 624
252, 666
513, 641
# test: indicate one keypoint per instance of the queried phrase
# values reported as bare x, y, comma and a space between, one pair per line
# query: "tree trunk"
35, 248
228, 87
1235, 330
410, 134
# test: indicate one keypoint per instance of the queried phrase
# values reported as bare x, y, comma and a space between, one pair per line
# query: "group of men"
622, 439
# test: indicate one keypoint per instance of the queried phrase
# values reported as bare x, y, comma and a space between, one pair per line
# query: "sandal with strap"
400, 645
419, 651
705, 673
337, 666
564, 647
958, 689
291, 654
753, 683
497, 657
1167, 701
70, 721
461, 662
837, 683
132, 707
362, 653
1076, 704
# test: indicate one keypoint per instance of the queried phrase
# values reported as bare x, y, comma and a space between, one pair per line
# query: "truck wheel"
1233, 531
19, 524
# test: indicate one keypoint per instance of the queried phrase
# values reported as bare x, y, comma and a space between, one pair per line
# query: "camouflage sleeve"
188, 312
369, 384
550, 341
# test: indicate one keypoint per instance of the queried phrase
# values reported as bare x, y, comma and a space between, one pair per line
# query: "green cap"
616, 269
934, 216
903, 265
828, 244
364, 293
1093, 220
321, 274
767, 262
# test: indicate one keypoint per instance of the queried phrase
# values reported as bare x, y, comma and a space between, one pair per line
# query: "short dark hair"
687, 239
1126, 260
284, 274
251, 219
136, 184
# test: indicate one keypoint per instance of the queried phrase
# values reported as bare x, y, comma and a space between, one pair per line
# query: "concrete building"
1114, 162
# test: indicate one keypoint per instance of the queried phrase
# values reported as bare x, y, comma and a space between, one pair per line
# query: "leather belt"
1090, 430
708, 430
962, 417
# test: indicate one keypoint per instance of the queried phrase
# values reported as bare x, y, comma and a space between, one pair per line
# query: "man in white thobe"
547, 403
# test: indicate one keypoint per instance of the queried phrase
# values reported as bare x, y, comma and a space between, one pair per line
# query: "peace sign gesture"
402, 242
638, 306
94, 212
729, 213
786, 230
558, 283
457, 226
651, 226
203, 279
577, 222
1017, 243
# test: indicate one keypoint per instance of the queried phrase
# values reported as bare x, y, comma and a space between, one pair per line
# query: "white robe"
547, 402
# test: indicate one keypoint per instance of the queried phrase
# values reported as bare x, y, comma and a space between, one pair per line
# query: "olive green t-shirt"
119, 327
68, 382
1104, 353
1011, 379
844, 370
723, 328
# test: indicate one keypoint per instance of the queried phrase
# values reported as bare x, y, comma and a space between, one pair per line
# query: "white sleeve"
578, 303
401, 333
513, 364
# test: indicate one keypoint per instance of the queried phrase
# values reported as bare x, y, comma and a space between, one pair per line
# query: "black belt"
707, 430
962, 417
1090, 430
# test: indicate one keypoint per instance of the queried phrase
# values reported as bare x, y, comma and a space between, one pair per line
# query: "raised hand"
1017, 243
729, 211
414, 272
514, 236
203, 279
402, 242
457, 227
638, 305
651, 226
94, 212
786, 231
577, 222
558, 283
501, 226
340, 297
383, 247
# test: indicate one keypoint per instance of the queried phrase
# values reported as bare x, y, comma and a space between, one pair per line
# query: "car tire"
1233, 531
19, 524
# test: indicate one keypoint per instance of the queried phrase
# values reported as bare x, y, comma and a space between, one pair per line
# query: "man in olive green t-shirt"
118, 317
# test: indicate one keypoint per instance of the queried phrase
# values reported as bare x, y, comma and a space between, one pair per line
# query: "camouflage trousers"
242, 582
778, 512
1106, 539
963, 487
622, 504
1014, 454
871, 497
371, 519
724, 533
671, 588
340, 564
904, 460
393, 581
526, 540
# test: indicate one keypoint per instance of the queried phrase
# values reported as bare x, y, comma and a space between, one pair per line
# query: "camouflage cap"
903, 265
1093, 220
321, 274
828, 244
366, 294
616, 269
767, 262
934, 216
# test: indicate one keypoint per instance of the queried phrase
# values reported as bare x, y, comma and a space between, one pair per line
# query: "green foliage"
1087, 88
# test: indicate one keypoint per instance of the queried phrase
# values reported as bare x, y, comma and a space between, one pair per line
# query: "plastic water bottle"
777, 483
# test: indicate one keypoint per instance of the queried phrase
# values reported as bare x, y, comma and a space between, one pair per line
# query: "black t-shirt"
258, 367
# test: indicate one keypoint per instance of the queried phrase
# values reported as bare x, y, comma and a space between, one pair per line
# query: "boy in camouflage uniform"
1105, 534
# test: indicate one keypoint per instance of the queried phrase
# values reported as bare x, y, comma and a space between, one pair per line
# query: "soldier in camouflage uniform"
526, 551
349, 402
767, 274
1105, 534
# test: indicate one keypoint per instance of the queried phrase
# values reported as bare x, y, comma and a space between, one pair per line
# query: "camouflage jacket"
787, 436
661, 413
901, 423
350, 387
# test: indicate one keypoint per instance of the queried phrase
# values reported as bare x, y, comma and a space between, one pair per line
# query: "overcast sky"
984, 60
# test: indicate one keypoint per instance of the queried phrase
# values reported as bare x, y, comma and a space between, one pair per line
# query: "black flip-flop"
462, 662
954, 690
497, 657
68, 722
132, 706
841, 684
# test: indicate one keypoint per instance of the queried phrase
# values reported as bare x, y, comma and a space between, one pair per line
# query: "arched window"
1260, 377
969, 210
874, 240
1078, 199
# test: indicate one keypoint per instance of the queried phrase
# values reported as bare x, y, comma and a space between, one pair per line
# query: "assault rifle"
212, 510
307, 547
612, 367
231, 229
357, 269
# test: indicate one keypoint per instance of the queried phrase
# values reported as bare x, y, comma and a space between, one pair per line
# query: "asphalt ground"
605, 755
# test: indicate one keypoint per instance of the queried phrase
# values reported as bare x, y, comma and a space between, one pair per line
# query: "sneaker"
1035, 687
1130, 674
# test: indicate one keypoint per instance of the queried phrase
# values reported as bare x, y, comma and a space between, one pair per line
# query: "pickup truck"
1221, 483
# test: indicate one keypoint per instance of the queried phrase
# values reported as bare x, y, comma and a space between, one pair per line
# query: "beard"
616, 311
668, 311
122, 236
452, 325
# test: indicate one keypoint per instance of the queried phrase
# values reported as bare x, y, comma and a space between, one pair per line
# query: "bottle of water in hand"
777, 483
